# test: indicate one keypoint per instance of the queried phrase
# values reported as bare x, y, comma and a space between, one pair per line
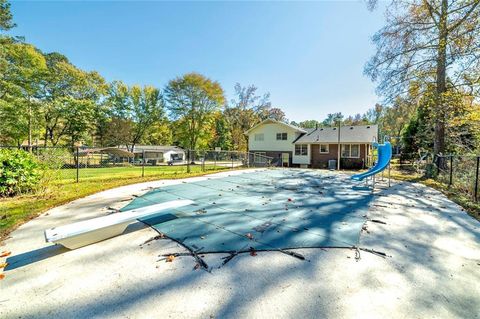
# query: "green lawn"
107, 173
63, 189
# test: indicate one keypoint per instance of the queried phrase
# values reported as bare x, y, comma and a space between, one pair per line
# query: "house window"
355, 150
301, 149
324, 149
350, 150
259, 137
282, 136
260, 157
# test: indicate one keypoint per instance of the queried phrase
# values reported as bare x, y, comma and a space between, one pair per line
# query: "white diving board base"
97, 229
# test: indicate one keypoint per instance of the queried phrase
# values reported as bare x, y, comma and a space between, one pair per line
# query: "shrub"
351, 163
19, 172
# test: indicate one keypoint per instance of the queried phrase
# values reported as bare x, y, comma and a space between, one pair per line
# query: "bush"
351, 163
19, 172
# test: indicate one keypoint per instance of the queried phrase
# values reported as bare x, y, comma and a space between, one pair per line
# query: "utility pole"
339, 150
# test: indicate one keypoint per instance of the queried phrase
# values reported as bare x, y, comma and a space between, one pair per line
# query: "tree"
430, 42
159, 133
6, 22
21, 68
221, 135
332, 119
69, 97
192, 100
245, 111
461, 118
277, 114
307, 124
374, 114
147, 110
356, 119
102, 120
134, 111
118, 132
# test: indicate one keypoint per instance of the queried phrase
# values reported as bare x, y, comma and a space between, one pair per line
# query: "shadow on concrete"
37, 255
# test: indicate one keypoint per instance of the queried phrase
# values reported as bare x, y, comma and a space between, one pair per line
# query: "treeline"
427, 67
428, 73
46, 100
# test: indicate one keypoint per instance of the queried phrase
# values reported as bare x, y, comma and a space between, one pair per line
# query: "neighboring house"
294, 146
159, 154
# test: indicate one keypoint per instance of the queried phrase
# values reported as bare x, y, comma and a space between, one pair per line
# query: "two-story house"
294, 146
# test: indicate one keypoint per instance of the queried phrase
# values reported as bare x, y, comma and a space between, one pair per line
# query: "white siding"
270, 142
168, 155
302, 159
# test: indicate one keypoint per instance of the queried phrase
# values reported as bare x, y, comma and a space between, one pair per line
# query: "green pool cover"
262, 210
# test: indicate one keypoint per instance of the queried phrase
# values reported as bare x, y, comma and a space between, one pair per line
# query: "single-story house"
299, 147
159, 153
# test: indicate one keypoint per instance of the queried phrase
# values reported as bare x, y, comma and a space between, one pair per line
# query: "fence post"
188, 161
215, 161
231, 155
450, 182
78, 164
143, 163
438, 165
476, 178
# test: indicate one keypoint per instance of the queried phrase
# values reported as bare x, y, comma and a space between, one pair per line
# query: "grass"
63, 189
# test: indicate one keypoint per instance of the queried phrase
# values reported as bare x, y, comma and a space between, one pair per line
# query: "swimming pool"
267, 209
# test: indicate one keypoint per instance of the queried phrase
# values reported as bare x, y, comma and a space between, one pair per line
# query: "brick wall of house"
319, 160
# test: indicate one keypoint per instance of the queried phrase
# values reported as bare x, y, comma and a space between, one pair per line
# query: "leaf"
5, 253
3, 265
170, 258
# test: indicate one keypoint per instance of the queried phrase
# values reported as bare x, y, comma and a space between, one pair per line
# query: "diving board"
97, 229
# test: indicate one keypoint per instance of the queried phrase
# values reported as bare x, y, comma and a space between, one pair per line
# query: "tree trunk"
439, 141
45, 137
29, 128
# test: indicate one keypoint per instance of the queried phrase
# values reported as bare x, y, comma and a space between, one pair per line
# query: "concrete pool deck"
432, 268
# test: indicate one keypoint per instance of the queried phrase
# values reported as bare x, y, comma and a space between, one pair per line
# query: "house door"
285, 159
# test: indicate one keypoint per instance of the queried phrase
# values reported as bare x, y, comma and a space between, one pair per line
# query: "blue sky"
308, 55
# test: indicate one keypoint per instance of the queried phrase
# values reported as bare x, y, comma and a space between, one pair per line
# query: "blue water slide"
384, 157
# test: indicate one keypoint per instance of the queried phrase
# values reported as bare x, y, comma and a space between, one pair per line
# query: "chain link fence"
460, 172
82, 163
